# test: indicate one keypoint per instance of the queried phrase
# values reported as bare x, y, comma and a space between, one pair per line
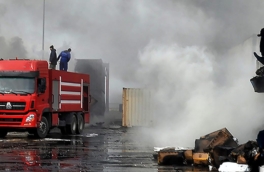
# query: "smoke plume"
189, 99
199, 85
12, 48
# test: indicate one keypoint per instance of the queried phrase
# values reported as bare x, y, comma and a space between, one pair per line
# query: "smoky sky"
116, 31
10, 49
178, 47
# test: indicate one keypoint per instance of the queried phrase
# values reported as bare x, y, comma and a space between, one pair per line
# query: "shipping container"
137, 107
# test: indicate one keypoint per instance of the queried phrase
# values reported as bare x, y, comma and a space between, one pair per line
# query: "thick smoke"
200, 85
117, 31
190, 102
12, 48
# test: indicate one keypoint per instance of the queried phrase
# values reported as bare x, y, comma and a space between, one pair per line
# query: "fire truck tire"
3, 133
80, 124
43, 129
71, 128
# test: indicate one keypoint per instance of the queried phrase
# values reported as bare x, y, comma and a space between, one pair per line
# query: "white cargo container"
137, 107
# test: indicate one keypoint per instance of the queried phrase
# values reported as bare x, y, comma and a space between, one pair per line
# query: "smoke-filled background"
196, 55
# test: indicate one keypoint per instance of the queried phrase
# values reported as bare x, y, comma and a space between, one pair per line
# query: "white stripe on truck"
70, 101
70, 93
70, 84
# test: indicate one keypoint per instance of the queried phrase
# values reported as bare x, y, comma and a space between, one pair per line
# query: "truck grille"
12, 105
10, 121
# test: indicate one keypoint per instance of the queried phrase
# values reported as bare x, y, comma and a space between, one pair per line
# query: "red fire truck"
36, 99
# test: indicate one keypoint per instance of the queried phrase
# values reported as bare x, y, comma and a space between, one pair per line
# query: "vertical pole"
43, 29
106, 81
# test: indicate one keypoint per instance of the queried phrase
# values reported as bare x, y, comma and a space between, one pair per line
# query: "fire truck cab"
36, 99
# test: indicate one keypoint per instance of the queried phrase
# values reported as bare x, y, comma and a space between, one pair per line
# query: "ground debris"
216, 150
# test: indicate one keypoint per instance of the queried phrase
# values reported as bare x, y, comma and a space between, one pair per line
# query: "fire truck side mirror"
41, 85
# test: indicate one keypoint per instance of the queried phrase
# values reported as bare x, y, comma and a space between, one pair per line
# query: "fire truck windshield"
17, 85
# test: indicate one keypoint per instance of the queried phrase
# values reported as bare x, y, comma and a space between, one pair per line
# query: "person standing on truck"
65, 57
53, 58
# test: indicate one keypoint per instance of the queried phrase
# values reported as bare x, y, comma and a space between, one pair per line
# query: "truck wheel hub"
42, 127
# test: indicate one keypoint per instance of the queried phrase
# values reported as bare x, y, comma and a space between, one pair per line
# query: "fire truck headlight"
30, 118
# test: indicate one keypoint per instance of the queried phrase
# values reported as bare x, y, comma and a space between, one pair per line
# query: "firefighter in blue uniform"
65, 57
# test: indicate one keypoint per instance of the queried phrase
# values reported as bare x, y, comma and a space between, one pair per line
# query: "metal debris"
217, 150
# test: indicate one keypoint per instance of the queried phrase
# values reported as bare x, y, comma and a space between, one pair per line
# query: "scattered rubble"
257, 83
260, 71
218, 150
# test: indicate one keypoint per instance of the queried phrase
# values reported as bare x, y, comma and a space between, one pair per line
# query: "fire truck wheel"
3, 133
80, 124
71, 128
43, 129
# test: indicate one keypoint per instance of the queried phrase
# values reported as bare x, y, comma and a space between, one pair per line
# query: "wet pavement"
98, 149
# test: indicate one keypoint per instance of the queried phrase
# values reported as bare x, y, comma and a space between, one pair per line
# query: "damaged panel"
169, 157
215, 133
220, 137
220, 154
201, 158
188, 155
217, 144
137, 107
200, 145
258, 84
